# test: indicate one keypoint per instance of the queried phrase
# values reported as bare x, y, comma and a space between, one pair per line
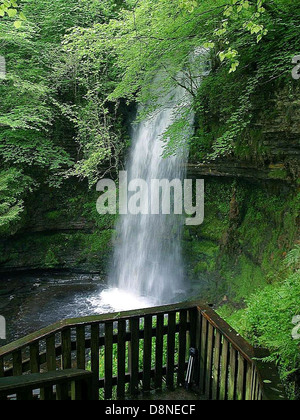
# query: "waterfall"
147, 260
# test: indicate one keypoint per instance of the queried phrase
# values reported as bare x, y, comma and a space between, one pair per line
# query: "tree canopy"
73, 66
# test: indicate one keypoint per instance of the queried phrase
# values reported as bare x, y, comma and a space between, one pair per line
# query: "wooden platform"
179, 394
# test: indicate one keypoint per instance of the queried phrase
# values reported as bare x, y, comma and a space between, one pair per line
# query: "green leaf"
18, 24
12, 12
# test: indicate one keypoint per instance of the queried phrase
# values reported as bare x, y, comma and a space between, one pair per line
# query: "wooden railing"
142, 350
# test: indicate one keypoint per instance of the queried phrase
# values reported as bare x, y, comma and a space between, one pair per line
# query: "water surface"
30, 302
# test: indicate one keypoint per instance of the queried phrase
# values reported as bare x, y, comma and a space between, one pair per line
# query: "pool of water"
30, 302
33, 301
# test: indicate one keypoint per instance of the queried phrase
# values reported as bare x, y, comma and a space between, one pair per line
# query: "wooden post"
147, 353
216, 367
95, 349
203, 356
171, 350
159, 351
121, 359
108, 360
182, 347
134, 356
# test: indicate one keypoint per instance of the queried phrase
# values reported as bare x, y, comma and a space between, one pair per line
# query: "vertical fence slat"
47, 392
240, 387
109, 330
193, 318
159, 351
249, 381
34, 358
18, 370
171, 350
51, 353
224, 370
256, 390
17, 363
95, 341
209, 361
62, 390
216, 367
203, 356
232, 374
2, 397
1, 367
147, 353
121, 358
66, 349
182, 347
134, 351
80, 347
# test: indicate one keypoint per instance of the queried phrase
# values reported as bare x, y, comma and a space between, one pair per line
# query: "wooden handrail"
89, 320
237, 341
249, 366
226, 369
22, 386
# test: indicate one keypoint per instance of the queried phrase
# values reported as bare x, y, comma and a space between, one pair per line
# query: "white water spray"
147, 262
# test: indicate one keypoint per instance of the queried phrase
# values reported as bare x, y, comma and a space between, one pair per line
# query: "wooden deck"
179, 394
136, 353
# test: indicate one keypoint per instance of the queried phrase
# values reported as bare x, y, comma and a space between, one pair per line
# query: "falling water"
147, 260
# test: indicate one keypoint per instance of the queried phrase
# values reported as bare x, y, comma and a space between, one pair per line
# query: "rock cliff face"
252, 205
61, 230
270, 149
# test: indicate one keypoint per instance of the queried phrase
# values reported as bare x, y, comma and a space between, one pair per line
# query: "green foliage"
13, 185
50, 259
267, 320
226, 104
11, 9
39, 93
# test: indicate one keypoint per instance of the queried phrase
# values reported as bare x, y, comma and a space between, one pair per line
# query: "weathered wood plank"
66, 348
241, 379
224, 370
2, 397
1, 367
249, 381
134, 356
182, 347
17, 363
108, 360
216, 367
34, 364
209, 360
147, 353
193, 318
51, 353
171, 350
47, 392
159, 351
95, 362
121, 359
203, 356
232, 374
36, 380
80, 346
